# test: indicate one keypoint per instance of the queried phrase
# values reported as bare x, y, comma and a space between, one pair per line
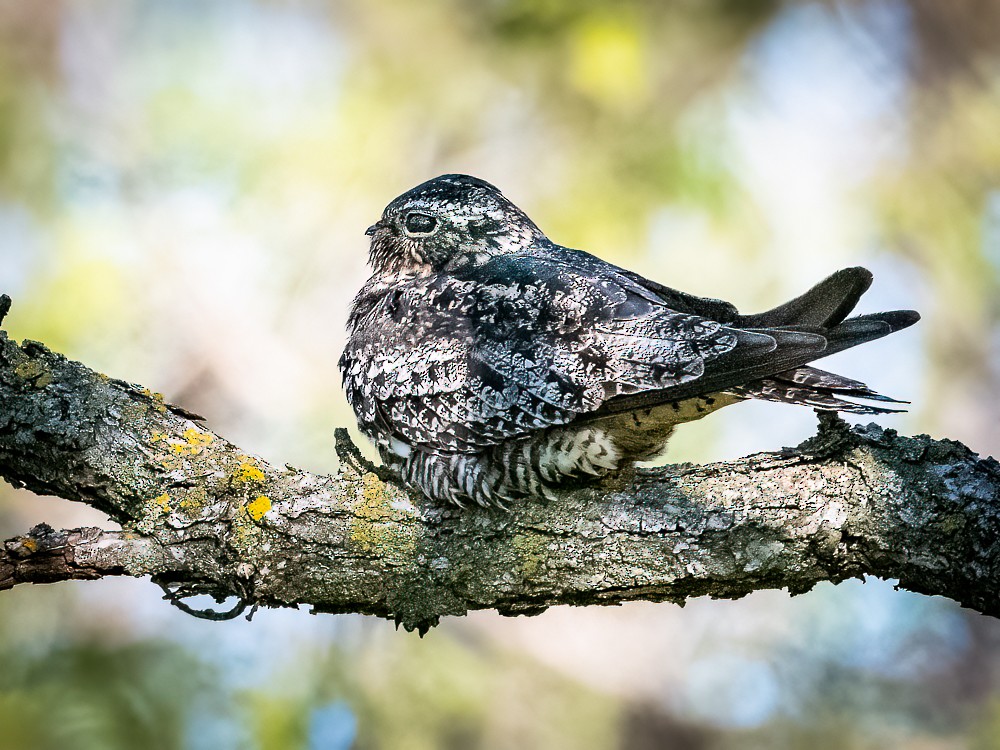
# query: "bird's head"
447, 223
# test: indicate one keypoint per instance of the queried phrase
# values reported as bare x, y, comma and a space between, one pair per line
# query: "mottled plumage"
488, 363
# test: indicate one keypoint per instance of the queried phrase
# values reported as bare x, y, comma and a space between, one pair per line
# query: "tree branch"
202, 516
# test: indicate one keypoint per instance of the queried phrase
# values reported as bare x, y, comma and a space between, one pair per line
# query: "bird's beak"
370, 231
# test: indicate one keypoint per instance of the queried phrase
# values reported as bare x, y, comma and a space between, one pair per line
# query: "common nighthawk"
488, 363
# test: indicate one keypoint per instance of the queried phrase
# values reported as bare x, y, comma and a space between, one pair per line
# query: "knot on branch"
41, 540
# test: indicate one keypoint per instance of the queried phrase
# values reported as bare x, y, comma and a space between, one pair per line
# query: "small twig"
182, 411
177, 595
349, 454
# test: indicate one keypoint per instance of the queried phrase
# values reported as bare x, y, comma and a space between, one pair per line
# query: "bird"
490, 365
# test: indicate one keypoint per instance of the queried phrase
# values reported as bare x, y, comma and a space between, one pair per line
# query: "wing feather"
460, 362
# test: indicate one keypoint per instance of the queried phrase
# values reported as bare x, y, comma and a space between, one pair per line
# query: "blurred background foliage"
183, 191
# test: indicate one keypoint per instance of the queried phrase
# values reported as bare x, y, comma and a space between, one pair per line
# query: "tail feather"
776, 389
865, 328
825, 305
853, 331
810, 386
816, 379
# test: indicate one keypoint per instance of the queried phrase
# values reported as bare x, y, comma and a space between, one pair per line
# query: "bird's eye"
417, 223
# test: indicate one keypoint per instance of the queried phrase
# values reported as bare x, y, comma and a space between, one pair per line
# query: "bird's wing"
825, 304
457, 364
705, 307
822, 310
521, 343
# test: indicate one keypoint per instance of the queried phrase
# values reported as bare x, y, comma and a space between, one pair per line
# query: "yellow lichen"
194, 441
171, 463
33, 371
247, 472
377, 527
156, 398
195, 498
258, 507
530, 549
29, 544
372, 491
197, 439
163, 501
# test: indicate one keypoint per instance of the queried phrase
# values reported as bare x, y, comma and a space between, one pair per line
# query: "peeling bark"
200, 515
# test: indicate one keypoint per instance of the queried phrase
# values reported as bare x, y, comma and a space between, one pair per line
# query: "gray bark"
200, 515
